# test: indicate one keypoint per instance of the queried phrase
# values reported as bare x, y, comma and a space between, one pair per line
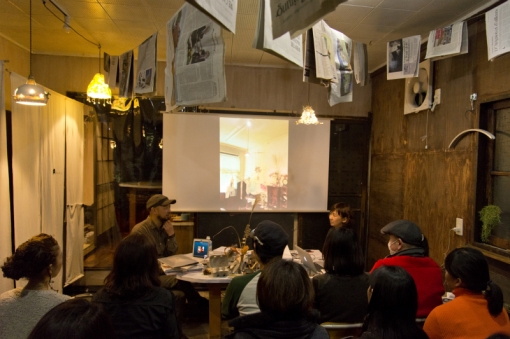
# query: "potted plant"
490, 217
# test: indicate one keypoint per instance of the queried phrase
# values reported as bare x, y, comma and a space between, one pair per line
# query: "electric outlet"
437, 96
459, 226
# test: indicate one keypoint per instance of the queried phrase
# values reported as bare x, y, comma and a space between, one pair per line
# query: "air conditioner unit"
418, 93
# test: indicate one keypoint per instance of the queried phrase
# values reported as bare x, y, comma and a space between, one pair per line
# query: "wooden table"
214, 285
133, 188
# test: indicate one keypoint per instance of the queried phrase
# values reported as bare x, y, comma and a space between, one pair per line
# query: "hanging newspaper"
296, 16
324, 52
126, 75
497, 23
195, 72
360, 63
111, 69
223, 11
403, 58
448, 41
341, 91
282, 47
147, 66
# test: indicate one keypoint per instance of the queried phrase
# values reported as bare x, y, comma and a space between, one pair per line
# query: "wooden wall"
248, 88
19, 62
433, 186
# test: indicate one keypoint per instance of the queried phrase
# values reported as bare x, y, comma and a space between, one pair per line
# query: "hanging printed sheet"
283, 47
195, 72
223, 11
147, 66
497, 22
296, 16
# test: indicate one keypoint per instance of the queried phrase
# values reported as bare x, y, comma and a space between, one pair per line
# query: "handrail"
458, 137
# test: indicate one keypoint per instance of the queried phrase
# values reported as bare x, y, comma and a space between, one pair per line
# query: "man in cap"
409, 249
269, 242
159, 229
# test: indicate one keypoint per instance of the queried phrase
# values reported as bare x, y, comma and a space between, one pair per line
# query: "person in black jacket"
285, 298
132, 296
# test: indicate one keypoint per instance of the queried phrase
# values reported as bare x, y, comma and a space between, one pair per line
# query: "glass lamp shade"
30, 94
98, 89
308, 117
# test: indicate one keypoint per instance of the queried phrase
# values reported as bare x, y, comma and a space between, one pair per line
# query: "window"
494, 172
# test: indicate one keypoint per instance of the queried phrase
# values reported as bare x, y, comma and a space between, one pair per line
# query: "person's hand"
169, 228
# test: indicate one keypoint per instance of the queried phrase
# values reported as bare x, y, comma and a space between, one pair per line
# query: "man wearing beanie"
269, 242
159, 229
409, 249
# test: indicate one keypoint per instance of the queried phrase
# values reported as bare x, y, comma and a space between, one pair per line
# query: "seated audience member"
409, 249
340, 293
39, 260
340, 215
269, 242
477, 310
285, 298
132, 296
392, 305
75, 318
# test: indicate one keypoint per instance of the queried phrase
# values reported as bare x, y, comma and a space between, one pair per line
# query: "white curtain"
39, 166
5, 204
74, 191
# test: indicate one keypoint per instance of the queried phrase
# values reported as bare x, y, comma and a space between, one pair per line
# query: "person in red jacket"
409, 249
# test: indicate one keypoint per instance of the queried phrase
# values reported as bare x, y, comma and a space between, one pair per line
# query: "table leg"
132, 208
214, 311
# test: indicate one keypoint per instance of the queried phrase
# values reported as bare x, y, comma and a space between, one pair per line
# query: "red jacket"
427, 276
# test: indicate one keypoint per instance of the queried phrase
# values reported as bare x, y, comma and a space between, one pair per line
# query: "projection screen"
214, 163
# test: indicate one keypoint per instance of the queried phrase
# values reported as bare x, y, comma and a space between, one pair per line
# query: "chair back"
342, 330
420, 322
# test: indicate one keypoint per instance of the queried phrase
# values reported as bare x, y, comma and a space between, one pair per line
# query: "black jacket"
267, 325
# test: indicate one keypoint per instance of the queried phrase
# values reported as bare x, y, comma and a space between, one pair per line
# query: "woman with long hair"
340, 293
392, 305
477, 310
39, 260
75, 318
132, 296
285, 298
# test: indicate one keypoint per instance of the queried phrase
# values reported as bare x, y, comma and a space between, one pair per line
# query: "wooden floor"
100, 258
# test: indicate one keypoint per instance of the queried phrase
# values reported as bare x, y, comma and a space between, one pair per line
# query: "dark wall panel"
209, 224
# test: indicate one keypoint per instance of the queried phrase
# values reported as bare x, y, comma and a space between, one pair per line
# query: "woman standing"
39, 260
340, 215
132, 296
477, 310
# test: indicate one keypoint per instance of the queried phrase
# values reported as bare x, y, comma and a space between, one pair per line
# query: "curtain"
39, 137
5, 204
74, 191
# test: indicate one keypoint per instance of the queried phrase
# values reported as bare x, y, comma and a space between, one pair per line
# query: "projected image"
253, 162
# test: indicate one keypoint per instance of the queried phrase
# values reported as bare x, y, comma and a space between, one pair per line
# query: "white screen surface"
206, 169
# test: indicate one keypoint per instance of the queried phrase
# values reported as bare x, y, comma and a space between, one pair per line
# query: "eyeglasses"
254, 237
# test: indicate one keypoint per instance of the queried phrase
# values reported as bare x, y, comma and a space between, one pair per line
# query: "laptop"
307, 261
201, 248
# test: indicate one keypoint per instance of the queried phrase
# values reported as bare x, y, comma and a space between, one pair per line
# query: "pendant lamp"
99, 90
31, 93
308, 116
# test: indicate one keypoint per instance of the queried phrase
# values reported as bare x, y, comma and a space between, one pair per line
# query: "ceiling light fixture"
31, 93
99, 90
308, 116
67, 26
